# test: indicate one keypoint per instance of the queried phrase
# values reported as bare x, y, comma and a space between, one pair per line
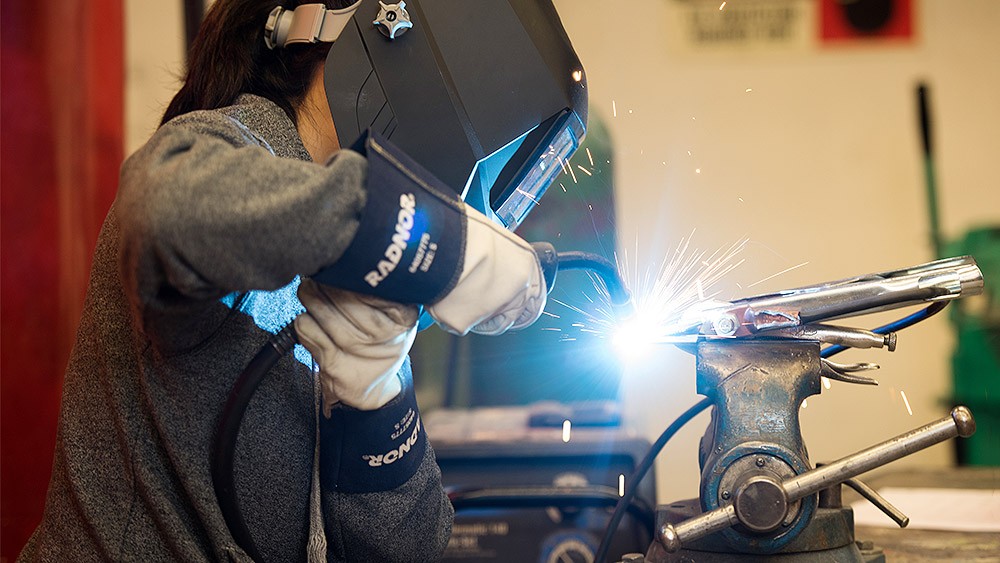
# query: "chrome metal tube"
935, 281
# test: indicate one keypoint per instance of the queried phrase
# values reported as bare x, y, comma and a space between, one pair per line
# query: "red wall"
61, 123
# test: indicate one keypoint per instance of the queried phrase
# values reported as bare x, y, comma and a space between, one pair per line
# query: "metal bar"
959, 423
879, 501
673, 537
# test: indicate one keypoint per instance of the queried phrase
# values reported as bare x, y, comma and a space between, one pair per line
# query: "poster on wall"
784, 26
859, 22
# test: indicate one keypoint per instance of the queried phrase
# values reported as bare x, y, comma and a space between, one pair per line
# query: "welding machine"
539, 482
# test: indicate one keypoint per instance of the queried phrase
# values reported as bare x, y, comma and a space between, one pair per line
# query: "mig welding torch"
279, 344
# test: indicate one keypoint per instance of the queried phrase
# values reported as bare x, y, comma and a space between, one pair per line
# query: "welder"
243, 212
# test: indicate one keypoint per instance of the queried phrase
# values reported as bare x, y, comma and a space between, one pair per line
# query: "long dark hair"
228, 58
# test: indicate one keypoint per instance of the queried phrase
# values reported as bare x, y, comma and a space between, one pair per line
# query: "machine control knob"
393, 20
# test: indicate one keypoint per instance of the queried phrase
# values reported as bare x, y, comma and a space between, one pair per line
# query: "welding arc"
640, 471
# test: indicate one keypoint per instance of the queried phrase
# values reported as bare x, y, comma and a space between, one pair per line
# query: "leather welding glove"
359, 341
418, 242
501, 286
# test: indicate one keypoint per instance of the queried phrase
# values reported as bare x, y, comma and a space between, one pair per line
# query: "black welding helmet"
488, 95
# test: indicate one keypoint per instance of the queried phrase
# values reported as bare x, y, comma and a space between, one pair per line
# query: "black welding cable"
224, 446
602, 267
894, 326
640, 471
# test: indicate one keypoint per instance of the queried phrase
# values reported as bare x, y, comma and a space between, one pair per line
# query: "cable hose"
224, 445
640, 471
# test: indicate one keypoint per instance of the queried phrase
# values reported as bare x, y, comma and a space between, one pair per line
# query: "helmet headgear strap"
308, 23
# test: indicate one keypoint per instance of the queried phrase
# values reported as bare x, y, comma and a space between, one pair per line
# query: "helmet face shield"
515, 177
488, 96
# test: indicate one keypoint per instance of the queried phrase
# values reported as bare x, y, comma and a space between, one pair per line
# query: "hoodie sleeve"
207, 209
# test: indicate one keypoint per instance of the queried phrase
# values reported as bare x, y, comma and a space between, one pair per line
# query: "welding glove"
359, 341
501, 286
418, 242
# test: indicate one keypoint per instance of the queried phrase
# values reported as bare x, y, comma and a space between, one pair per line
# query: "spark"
772, 276
826, 382
722, 6
577, 75
697, 170
906, 402
805, 403
590, 157
741, 199
621, 484
689, 153
748, 90
630, 112
552, 328
562, 162
584, 170
562, 186
614, 109
567, 427
667, 298
571, 173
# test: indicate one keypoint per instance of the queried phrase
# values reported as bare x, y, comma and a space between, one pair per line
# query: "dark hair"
228, 57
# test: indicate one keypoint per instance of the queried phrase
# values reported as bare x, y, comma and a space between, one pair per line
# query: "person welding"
243, 212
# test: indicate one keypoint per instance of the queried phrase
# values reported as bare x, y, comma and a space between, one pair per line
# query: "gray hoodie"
196, 264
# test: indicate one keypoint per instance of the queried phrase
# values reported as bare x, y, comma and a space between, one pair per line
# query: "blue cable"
894, 326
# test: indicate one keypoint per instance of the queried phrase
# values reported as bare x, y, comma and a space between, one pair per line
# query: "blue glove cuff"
410, 242
372, 451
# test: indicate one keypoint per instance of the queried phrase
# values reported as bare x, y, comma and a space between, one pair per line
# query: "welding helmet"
488, 96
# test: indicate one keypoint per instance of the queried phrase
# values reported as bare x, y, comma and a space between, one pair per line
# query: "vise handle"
742, 510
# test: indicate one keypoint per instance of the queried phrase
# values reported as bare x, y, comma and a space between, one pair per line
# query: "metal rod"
673, 537
879, 501
959, 423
